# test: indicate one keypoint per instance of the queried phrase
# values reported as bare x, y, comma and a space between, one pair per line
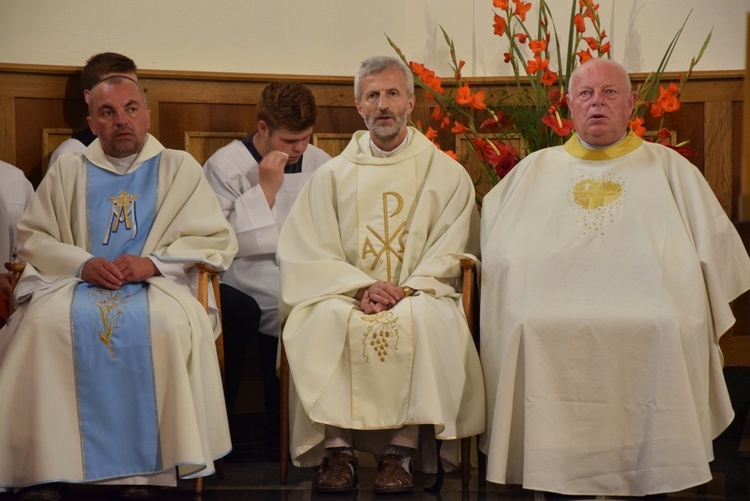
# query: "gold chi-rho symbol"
392, 244
122, 212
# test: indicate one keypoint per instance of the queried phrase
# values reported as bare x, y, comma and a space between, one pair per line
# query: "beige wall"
331, 37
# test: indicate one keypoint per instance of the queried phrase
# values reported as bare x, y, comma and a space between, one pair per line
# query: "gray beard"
386, 133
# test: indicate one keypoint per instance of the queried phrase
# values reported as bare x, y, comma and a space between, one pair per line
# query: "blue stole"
111, 336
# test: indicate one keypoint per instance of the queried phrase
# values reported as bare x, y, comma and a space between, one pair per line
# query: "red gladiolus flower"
431, 134
549, 78
463, 95
458, 128
537, 46
536, 64
461, 64
451, 154
592, 42
637, 126
579, 23
499, 25
521, 38
500, 4
604, 49
584, 55
506, 57
478, 101
521, 9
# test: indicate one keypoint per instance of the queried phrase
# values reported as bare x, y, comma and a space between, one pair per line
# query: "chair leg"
199, 485
283, 414
465, 461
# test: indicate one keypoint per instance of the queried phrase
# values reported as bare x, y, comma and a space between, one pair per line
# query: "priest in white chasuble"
108, 369
608, 269
370, 291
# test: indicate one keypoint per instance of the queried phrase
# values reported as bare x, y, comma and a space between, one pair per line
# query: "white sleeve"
233, 175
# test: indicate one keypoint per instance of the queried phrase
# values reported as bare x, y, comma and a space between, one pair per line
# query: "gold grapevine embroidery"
388, 240
381, 335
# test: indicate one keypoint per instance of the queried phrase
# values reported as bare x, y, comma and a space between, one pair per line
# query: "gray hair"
623, 73
376, 64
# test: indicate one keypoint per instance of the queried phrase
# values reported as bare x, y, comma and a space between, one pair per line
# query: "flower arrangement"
532, 113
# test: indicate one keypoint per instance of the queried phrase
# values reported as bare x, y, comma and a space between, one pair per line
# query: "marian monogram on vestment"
123, 211
389, 244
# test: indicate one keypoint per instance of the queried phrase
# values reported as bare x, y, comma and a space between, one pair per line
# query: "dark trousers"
240, 321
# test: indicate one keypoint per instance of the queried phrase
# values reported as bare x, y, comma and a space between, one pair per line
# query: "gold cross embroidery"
122, 212
387, 241
592, 194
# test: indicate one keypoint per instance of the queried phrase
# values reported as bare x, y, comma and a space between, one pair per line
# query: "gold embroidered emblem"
389, 239
380, 335
592, 194
109, 303
122, 212
596, 201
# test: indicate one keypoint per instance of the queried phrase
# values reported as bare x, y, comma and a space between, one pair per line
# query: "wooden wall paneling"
51, 139
718, 151
331, 143
177, 118
32, 116
745, 186
202, 144
8, 129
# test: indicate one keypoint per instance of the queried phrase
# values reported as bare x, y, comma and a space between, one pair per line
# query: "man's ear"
263, 129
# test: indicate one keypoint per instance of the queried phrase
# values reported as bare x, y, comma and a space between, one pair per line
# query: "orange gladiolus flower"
637, 126
431, 134
593, 44
506, 57
521, 9
478, 101
588, 12
536, 64
499, 25
521, 37
458, 128
500, 4
579, 23
451, 154
463, 95
549, 78
445, 123
438, 113
538, 46
604, 49
428, 77
461, 64
667, 102
584, 55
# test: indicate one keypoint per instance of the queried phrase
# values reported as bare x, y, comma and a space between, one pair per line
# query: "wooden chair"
470, 305
207, 274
